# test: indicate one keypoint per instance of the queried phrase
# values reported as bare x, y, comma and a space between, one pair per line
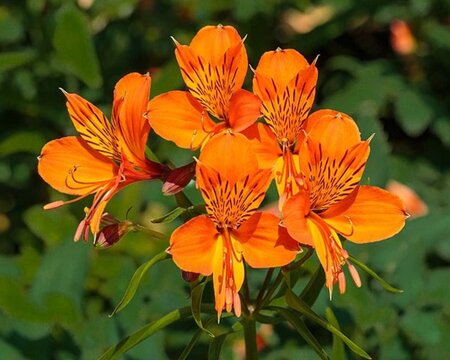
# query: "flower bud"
112, 233
178, 178
189, 276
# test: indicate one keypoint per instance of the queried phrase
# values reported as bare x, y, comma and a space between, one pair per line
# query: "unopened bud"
178, 178
111, 234
189, 276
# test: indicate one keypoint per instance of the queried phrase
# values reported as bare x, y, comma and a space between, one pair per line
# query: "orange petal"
131, 96
331, 177
264, 143
93, 126
177, 116
285, 108
213, 67
211, 42
413, 203
282, 65
371, 213
245, 109
339, 130
231, 155
72, 167
264, 242
295, 212
193, 245
230, 202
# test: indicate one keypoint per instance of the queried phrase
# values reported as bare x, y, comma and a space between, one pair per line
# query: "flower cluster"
246, 140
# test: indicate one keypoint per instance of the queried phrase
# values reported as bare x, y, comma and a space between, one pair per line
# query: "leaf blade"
136, 279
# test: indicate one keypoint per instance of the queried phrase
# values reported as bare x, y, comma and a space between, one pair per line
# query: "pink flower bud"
189, 276
111, 234
178, 178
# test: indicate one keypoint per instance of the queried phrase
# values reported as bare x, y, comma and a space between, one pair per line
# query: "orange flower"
217, 243
106, 156
331, 201
403, 41
213, 67
286, 85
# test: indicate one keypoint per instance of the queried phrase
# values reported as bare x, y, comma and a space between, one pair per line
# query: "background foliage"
55, 294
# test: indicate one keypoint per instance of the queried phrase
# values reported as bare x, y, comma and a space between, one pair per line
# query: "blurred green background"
55, 295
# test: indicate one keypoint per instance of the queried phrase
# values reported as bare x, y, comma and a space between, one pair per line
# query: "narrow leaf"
302, 307
196, 305
169, 217
116, 351
136, 279
187, 350
377, 277
13, 59
338, 350
304, 332
215, 347
314, 286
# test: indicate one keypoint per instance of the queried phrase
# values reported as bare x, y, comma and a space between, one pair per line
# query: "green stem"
153, 233
251, 351
269, 294
264, 286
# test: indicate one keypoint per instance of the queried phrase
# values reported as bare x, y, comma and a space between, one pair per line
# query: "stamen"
341, 280
54, 205
237, 305
354, 273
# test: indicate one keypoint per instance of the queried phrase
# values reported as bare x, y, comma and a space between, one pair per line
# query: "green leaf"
414, 112
53, 227
13, 59
74, 46
377, 277
196, 306
116, 351
302, 307
338, 350
304, 332
175, 213
314, 287
215, 347
187, 350
136, 279
22, 141
169, 217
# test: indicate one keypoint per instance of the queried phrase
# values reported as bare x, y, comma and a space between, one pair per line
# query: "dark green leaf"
314, 286
23, 141
377, 277
116, 351
196, 305
74, 46
338, 350
413, 111
136, 279
304, 332
302, 307
187, 350
215, 347
13, 59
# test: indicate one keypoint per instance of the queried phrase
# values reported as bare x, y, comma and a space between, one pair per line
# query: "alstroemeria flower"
213, 67
233, 187
106, 156
286, 85
332, 162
